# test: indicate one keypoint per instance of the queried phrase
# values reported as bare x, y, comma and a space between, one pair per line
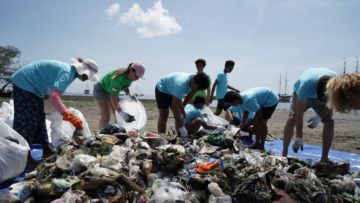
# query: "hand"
205, 115
74, 120
314, 121
183, 132
127, 117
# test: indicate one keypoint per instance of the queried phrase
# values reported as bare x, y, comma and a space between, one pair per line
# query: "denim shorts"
100, 93
317, 105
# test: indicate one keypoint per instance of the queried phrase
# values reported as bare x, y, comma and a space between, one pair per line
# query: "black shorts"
163, 100
268, 111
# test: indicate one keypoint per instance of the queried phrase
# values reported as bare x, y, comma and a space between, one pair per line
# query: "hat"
139, 69
86, 66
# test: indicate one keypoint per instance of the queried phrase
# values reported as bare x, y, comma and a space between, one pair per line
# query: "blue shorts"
100, 93
29, 116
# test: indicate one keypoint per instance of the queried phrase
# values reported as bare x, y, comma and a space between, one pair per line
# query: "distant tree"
9, 63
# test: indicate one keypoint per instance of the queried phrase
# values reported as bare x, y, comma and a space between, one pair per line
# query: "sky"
265, 38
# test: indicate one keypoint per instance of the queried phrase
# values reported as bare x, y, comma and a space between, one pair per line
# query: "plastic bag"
134, 108
13, 156
81, 162
116, 159
211, 119
167, 192
7, 112
62, 131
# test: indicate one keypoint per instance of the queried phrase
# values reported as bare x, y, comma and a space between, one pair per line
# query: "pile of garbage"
117, 166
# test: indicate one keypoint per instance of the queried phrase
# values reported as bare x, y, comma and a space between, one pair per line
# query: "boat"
284, 98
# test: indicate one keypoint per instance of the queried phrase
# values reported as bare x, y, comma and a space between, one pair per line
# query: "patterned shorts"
29, 116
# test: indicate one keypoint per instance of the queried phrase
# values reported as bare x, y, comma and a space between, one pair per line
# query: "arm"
244, 119
175, 107
188, 98
208, 95
228, 115
232, 88
114, 100
299, 116
127, 91
208, 127
213, 90
56, 101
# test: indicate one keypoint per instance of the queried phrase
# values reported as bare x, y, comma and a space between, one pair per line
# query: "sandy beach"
347, 126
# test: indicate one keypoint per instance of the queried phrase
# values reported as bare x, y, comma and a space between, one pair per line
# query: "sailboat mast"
285, 82
344, 64
357, 64
280, 84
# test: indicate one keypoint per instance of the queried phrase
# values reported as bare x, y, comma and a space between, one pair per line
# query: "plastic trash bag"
212, 119
13, 156
7, 112
167, 192
116, 159
62, 131
81, 162
134, 108
7, 115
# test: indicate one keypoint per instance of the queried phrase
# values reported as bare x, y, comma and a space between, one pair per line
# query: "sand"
347, 128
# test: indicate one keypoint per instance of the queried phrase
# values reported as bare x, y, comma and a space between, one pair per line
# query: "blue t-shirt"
191, 112
305, 87
221, 87
259, 97
175, 84
239, 110
41, 77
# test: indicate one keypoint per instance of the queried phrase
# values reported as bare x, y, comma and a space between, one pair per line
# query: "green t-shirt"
201, 93
114, 86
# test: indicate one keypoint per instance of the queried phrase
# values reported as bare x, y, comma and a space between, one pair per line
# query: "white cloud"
113, 10
154, 22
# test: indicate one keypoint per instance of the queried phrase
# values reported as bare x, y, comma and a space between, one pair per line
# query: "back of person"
239, 110
221, 88
41, 76
176, 84
305, 86
191, 112
258, 97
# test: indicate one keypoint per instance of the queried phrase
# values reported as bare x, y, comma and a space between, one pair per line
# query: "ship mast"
285, 82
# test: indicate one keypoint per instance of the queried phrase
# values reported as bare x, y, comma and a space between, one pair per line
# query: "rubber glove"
314, 121
74, 120
207, 166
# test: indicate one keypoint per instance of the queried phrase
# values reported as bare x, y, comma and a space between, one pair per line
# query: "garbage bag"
7, 115
134, 108
212, 119
13, 152
7, 112
62, 131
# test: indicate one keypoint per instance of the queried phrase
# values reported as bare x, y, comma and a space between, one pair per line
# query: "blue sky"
263, 37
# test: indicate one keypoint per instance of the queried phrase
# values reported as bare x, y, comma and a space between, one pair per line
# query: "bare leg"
104, 107
163, 116
263, 130
194, 126
327, 136
288, 134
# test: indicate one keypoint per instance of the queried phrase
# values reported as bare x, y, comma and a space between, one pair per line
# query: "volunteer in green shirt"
200, 65
106, 92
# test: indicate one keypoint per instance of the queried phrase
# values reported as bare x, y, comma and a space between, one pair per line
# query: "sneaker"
299, 143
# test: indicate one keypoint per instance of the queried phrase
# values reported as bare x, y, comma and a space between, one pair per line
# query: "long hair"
121, 71
336, 89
